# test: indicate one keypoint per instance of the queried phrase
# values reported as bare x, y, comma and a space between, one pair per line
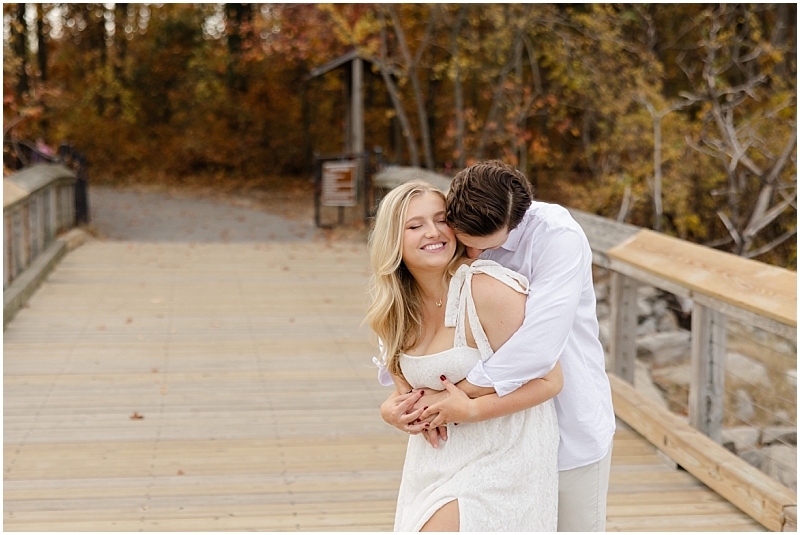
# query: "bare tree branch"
498, 91
422, 113
730, 226
765, 219
395, 95
537, 78
771, 245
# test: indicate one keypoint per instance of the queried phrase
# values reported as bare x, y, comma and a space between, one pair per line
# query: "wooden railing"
38, 203
721, 286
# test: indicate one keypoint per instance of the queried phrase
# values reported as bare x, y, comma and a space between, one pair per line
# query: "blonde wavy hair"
395, 315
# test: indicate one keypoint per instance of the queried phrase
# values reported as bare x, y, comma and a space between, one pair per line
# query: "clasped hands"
427, 411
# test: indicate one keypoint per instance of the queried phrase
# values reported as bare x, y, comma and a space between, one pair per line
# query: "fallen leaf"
180, 472
129, 321
101, 328
154, 370
164, 389
136, 416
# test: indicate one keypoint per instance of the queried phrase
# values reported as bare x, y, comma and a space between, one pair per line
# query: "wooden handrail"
752, 491
760, 288
721, 286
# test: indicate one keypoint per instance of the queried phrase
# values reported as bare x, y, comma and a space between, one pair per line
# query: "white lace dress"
503, 471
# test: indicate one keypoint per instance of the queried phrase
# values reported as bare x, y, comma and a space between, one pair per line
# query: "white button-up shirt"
551, 250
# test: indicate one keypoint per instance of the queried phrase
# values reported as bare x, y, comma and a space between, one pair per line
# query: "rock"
648, 326
753, 457
647, 292
779, 434
780, 462
686, 303
668, 322
665, 348
742, 437
745, 369
601, 291
783, 416
644, 384
744, 408
644, 308
603, 310
659, 308
674, 382
679, 376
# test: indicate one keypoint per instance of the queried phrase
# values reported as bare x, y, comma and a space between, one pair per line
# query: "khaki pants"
582, 496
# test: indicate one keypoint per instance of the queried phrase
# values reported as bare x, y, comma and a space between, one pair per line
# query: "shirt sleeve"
384, 377
553, 297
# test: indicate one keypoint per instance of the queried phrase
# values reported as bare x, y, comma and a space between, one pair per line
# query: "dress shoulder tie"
459, 297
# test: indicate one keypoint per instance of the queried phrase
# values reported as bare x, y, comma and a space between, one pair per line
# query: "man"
491, 209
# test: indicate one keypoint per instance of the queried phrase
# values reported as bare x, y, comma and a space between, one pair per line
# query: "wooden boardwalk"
180, 387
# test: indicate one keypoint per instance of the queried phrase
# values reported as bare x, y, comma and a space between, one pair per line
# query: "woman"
436, 316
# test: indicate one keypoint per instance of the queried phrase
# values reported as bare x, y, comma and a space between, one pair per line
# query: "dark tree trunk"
42, 41
239, 28
21, 49
121, 50
41, 56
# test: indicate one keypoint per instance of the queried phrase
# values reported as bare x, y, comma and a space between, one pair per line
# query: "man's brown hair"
486, 197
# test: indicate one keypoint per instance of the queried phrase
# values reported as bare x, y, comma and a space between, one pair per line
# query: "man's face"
478, 244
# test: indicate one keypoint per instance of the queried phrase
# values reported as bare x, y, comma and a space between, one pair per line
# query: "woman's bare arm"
501, 311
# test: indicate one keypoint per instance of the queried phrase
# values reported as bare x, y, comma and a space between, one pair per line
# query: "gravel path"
128, 215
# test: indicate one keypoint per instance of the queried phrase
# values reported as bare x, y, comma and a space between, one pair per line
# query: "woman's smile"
434, 247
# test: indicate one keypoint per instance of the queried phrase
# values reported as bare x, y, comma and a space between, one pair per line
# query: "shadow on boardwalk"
162, 385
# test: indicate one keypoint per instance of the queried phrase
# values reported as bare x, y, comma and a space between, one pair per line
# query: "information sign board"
339, 183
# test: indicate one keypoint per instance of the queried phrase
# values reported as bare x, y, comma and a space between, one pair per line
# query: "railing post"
624, 315
7, 256
707, 388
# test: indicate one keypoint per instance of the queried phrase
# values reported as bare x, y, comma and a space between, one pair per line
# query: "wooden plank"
760, 288
746, 487
790, 518
669, 509
718, 522
664, 498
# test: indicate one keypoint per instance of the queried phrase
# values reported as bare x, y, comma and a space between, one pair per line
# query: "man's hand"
455, 408
429, 398
398, 410
433, 434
